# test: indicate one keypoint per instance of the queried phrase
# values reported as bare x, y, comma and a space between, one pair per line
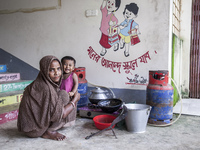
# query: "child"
130, 12
70, 79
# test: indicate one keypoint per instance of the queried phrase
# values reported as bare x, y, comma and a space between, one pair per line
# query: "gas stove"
93, 110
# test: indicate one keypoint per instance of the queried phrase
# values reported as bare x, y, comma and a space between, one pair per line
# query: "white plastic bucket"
137, 117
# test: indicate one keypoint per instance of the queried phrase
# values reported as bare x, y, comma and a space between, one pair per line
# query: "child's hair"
117, 4
132, 7
68, 58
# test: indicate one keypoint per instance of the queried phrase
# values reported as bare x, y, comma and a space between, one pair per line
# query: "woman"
44, 108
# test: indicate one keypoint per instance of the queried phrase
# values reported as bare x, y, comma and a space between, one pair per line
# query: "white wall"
185, 35
67, 31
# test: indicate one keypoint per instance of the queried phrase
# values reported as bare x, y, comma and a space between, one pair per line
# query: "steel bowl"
97, 95
110, 105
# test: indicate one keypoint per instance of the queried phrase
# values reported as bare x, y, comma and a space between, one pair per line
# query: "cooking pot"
110, 105
97, 95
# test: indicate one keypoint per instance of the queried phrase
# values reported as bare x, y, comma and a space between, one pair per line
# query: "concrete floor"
182, 135
189, 107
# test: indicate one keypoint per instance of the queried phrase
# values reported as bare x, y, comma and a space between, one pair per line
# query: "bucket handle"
148, 110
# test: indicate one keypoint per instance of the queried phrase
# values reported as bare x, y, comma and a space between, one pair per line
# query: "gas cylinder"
160, 97
80, 72
82, 87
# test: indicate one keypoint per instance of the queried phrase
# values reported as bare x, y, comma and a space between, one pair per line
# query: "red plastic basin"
103, 121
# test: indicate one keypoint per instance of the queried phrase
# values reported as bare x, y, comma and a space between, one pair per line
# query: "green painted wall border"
176, 95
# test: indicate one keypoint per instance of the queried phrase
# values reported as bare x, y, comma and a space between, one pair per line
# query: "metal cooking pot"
97, 95
110, 105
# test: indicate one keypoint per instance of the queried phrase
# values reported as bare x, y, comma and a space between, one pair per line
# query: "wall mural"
128, 29
115, 36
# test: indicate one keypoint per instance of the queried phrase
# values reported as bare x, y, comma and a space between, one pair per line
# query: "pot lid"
98, 90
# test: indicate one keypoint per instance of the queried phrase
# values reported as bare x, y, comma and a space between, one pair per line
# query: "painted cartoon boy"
108, 21
128, 25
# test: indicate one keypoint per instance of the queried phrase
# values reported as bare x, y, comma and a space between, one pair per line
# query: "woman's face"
55, 71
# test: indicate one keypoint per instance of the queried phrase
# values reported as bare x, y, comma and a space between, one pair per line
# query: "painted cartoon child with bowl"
128, 27
109, 20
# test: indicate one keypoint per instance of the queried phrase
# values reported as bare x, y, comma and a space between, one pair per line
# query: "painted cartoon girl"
128, 27
108, 23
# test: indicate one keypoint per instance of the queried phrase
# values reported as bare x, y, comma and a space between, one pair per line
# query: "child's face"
55, 71
68, 66
129, 15
110, 5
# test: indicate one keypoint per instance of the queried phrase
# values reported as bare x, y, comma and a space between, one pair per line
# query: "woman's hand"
70, 106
